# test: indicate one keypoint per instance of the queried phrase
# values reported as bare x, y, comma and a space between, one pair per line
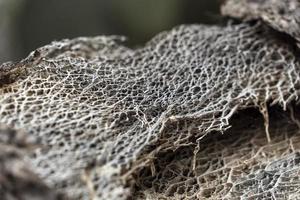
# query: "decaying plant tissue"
199, 112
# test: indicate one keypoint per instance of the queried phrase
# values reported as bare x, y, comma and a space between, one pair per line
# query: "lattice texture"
17, 181
240, 164
105, 111
283, 15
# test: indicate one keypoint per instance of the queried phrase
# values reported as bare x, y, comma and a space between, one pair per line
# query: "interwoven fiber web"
240, 164
104, 112
17, 181
282, 15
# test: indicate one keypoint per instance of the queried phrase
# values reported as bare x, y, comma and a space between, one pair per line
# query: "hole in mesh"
207, 193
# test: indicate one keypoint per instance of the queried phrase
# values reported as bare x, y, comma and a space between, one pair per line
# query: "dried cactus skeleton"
117, 123
282, 15
17, 180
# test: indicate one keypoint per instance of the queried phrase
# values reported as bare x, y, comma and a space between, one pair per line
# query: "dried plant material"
105, 113
17, 181
241, 164
282, 15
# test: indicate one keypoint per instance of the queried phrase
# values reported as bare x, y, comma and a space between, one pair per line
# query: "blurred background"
28, 24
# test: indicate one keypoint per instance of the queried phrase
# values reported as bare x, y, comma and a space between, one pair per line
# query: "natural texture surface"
106, 115
282, 15
17, 181
240, 164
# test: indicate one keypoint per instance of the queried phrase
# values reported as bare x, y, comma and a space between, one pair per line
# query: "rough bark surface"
117, 123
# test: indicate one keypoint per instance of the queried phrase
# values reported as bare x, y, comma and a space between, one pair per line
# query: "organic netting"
282, 15
111, 118
17, 180
240, 164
